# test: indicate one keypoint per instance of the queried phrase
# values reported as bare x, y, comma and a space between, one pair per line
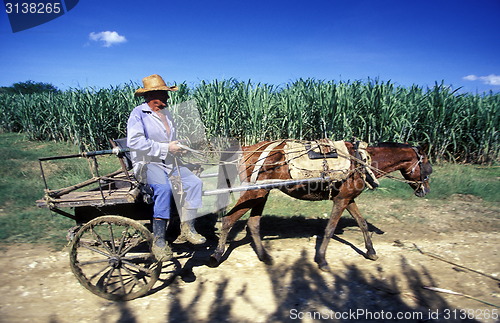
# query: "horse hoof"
325, 268
213, 262
322, 263
268, 260
371, 256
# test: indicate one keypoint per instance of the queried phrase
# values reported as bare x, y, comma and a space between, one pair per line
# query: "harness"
366, 172
359, 158
262, 159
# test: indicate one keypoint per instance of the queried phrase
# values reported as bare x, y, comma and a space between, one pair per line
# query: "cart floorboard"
89, 198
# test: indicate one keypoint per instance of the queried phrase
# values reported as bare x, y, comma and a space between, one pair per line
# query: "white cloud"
109, 38
470, 77
491, 79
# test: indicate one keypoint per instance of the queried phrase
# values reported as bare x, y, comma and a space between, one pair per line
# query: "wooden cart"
110, 246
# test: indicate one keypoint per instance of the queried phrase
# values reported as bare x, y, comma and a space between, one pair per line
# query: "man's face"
157, 100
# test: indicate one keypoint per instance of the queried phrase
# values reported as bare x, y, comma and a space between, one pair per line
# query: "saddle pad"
301, 166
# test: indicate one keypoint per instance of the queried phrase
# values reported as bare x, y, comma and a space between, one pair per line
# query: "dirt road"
459, 238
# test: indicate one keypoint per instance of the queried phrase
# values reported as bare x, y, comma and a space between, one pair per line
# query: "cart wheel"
111, 256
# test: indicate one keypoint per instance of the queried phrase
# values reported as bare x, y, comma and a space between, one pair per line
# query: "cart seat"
122, 143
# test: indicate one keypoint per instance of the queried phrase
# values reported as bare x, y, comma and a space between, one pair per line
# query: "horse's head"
418, 174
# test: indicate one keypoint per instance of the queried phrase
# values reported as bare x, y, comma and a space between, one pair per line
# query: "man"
151, 137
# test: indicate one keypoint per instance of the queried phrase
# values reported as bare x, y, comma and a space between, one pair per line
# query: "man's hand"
174, 149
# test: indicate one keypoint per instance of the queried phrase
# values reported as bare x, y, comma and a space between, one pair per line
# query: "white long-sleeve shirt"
148, 138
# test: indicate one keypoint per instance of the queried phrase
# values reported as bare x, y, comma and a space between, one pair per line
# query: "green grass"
21, 185
483, 182
449, 179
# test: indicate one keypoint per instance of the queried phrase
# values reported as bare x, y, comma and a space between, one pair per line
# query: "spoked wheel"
111, 256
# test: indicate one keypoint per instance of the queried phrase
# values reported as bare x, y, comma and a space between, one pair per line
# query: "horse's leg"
339, 206
254, 227
245, 203
352, 208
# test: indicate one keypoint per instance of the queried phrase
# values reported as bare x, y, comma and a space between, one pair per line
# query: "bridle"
420, 183
418, 162
423, 178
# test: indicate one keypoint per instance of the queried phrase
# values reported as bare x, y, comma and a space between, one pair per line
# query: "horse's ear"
425, 148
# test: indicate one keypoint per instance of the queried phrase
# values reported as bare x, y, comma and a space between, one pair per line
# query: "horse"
386, 158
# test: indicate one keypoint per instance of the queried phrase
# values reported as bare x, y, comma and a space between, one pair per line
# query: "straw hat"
154, 83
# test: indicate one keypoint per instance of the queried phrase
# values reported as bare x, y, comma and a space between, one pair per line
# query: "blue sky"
111, 42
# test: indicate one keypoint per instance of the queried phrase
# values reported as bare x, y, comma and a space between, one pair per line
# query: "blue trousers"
163, 195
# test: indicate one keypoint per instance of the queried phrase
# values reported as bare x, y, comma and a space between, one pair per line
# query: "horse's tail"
228, 173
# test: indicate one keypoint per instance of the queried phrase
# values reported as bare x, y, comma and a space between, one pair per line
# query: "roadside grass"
447, 180
21, 185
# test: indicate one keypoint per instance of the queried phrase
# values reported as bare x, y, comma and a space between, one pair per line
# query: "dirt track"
37, 285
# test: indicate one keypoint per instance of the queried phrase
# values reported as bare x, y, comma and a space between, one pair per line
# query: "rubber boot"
188, 231
161, 250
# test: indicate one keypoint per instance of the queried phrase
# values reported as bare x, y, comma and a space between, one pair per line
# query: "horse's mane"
389, 144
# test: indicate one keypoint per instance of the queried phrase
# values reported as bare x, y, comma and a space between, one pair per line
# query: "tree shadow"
303, 293
350, 290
